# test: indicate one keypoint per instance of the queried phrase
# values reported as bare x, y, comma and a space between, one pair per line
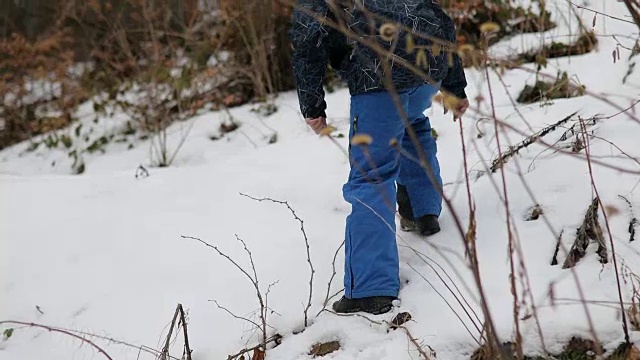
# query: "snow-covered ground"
102, 252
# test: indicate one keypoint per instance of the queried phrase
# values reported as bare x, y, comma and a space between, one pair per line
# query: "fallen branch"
61, 331
275, 338
513, 150
417, 344
306, 242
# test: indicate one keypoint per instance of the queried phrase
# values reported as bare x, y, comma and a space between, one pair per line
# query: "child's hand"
460, 108
317, 124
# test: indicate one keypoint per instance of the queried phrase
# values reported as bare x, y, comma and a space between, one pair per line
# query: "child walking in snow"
380, 175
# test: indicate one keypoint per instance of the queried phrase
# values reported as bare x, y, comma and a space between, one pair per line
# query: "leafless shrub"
253, 278
256, 34
37, 91
312, 271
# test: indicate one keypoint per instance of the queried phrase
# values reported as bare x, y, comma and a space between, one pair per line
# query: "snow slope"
102, 252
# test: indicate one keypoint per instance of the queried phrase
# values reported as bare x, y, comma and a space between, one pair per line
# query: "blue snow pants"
371, 252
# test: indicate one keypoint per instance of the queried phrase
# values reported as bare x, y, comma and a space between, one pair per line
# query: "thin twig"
306, 241
333, 274
187, 349
574, 274
599, 12
466, 304
512, 245
165, 349
234, 315
254, 281
61, 331
634, 221
613, 251
415, 343
144, 348
443, 298
274, 338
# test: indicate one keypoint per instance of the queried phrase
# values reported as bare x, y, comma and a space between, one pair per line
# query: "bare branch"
165, 350
253, 281
274, 338
61, 331
333, 274
599, 13
234, 315
415, 343
253, 265
444, 299
141, 348
613, 251
187, 348
306, 241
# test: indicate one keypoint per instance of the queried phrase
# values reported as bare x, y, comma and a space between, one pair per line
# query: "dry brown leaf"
258, 354
633, 354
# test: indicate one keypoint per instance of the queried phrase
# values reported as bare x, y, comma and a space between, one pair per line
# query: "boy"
371, 276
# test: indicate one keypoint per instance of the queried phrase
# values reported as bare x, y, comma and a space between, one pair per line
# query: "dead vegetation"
499, 162
470, 15
585, 43
324, 349
159, 64
534, 213
39, 95
589, 230
561, 88
634, 222
576, 349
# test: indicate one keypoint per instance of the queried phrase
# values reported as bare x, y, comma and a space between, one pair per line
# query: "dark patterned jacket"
317, 44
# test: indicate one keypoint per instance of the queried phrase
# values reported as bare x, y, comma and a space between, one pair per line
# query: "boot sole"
410, 226
429, 233
378, 311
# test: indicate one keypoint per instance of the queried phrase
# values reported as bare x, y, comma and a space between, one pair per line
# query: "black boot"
375, 305
427, 225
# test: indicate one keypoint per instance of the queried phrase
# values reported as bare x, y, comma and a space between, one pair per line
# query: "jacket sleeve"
455, 81
310, 55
